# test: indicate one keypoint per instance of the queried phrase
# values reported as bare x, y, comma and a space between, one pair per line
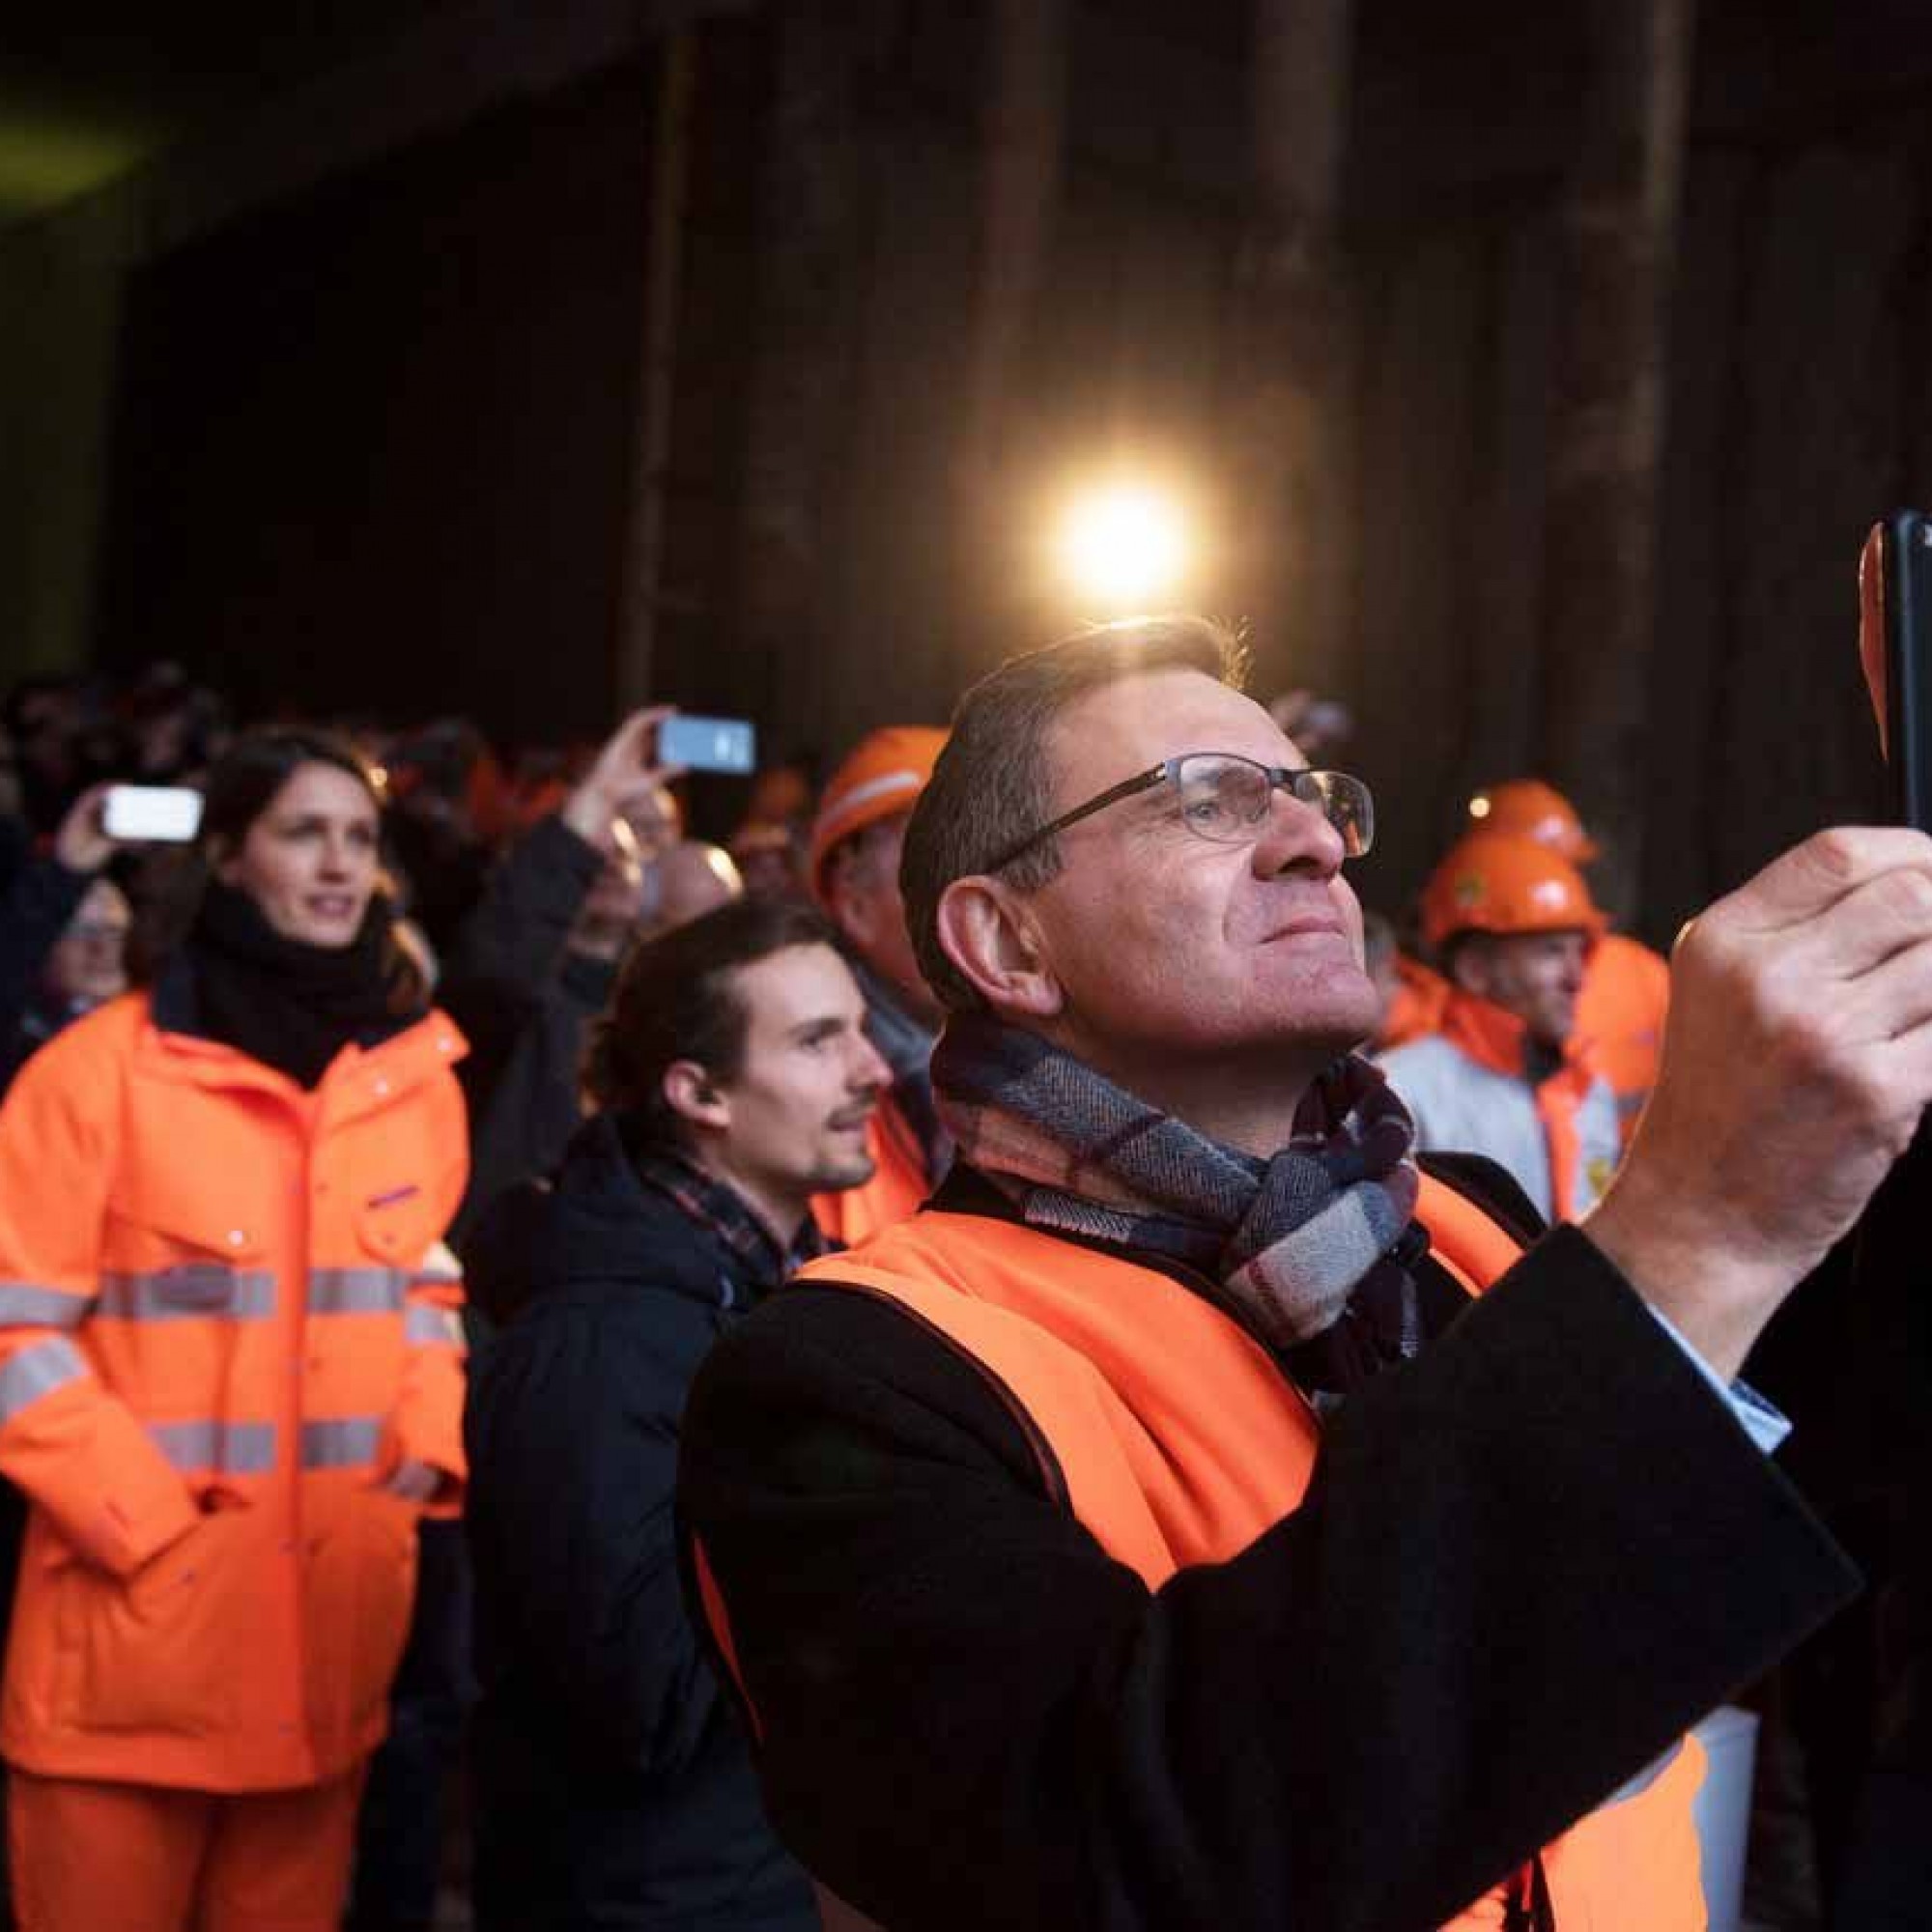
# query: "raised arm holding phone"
1155, 1532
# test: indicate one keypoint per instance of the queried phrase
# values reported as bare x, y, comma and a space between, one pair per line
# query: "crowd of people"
1111, 1524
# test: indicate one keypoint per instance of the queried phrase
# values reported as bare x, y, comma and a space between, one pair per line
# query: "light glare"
1123, 544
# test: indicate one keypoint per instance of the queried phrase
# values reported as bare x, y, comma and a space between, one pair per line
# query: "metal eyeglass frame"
1294, 780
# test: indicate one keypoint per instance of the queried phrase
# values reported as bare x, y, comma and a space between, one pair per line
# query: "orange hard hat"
1529, 809
884, 776
1491, 882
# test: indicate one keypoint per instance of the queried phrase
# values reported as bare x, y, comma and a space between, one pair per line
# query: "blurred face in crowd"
864, 903
1536, 976
768, 863
655, 820
309, 860
623, 894
615, 900
689, 880
88, 963
791, 1121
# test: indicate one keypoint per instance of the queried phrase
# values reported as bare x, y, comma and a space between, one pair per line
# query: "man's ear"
222, 861
992, 940
694, 1097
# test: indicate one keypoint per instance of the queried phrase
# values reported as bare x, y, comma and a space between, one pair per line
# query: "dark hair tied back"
676, 999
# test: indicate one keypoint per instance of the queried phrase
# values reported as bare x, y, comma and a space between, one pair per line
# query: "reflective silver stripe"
187, 1291
439, 1266
345, 1442
235, 1448
426, 1323
357, 1291
26, 1304
1636, 1786
38, 1371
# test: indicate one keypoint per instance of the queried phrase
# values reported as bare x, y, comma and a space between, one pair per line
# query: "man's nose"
869, 1072
1296, 836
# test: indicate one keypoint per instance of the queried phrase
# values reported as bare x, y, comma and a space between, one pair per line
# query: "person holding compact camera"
533, 963
230, 1375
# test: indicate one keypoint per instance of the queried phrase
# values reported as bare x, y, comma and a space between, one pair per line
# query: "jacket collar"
1497, 1039
360, 1081
596, 1226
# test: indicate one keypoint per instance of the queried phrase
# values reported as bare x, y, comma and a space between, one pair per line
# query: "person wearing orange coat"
230, 1379
1507, 1074
854, 866
1626, 986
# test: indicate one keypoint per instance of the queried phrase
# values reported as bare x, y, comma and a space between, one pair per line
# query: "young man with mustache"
734, 1081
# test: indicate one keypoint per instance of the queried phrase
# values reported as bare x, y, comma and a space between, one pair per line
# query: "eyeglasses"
1224, 798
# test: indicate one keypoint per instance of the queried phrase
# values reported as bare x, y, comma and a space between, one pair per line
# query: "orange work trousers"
89, 1855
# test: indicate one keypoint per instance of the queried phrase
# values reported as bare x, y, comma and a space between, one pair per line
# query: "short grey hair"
994, 781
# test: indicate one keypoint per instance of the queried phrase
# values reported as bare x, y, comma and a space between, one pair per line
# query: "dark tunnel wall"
373, 447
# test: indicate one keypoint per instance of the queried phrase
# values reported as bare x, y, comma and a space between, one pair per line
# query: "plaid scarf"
721, 1208
1313, 1247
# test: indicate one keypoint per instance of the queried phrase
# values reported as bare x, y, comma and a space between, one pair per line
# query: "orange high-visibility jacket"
225, 1311
1420, 995
898, 1184
1625, 999
1181, 1442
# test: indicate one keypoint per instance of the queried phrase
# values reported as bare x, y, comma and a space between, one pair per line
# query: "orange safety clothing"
226, 1312
1180, 1441
899, 1181
1421, 993
138, 1859
1621, 1012
1494, 882
1529, 809
883, 774
1468, 1086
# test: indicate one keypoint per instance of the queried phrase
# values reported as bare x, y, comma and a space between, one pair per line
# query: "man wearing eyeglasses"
1202, 1515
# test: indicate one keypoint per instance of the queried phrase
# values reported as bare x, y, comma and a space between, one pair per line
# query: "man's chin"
835, 1176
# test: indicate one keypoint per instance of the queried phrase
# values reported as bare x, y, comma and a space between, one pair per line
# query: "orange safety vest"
899, 1182
225, 1311
1420, 995
1494, 1040
1181, 1441
1622, 1008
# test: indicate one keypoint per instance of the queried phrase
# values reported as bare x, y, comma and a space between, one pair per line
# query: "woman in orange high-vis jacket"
230, 1379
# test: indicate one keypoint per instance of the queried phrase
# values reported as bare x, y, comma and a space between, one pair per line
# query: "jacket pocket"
183, 1292
362, 1588
179, 1646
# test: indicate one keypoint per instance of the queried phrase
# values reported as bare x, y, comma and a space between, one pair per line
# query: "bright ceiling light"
1125, 544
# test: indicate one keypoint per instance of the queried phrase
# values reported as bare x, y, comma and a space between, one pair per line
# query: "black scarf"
292, 1006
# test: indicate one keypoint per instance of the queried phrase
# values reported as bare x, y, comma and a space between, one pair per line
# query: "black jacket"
613, 1787
524, 1002
1528, 1561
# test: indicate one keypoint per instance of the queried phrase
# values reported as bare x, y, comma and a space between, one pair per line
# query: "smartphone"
150, 814
707, 744
1905, 584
